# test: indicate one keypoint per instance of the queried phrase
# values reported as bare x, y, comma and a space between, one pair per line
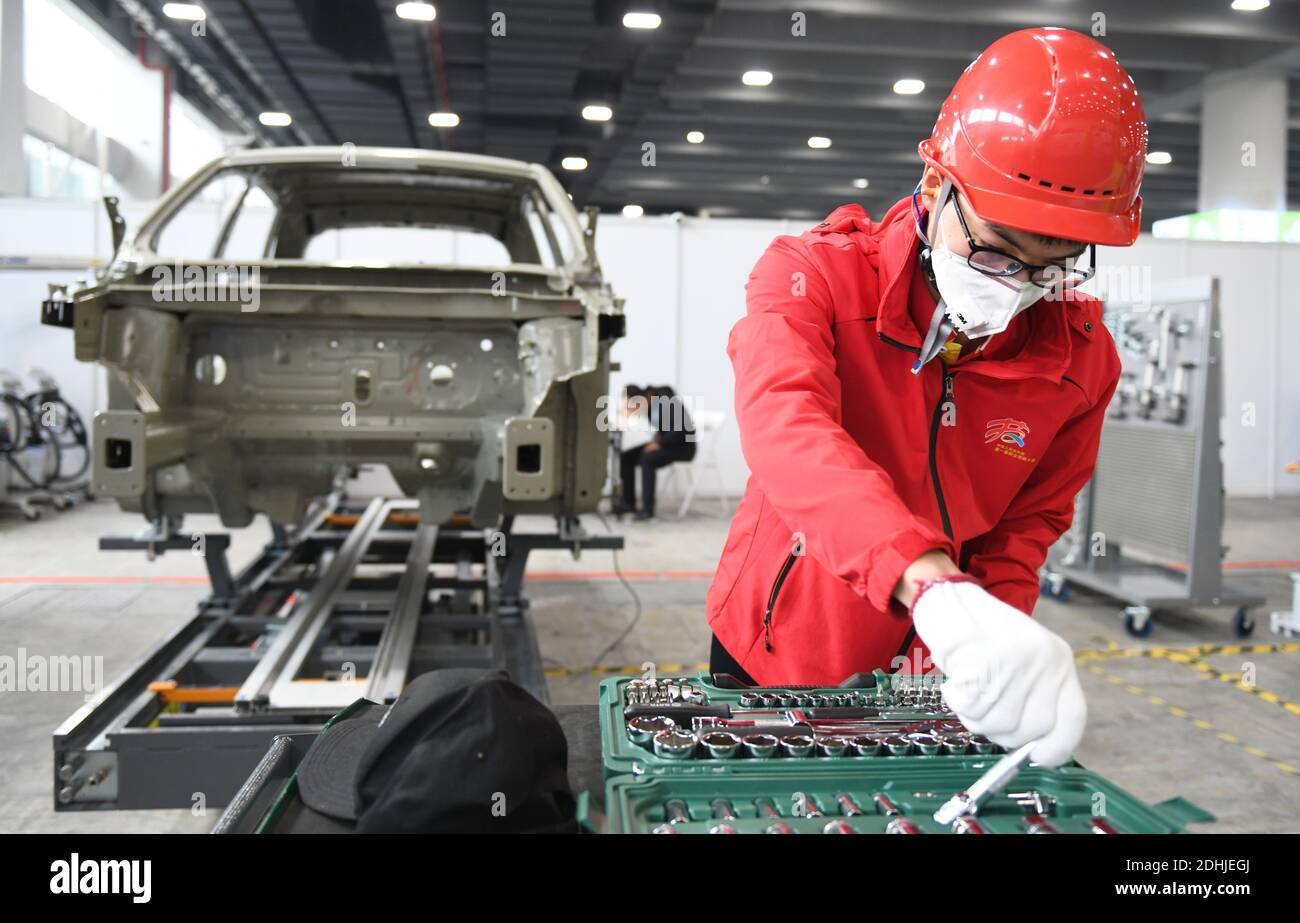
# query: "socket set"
872, 799
880, 754
690, 723
877, 689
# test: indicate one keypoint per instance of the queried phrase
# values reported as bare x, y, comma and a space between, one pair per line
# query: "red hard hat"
1045, 132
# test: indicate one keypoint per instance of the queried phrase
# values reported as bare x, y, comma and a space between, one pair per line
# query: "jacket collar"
1035, 345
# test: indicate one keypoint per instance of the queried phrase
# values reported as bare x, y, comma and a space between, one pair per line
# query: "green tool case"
1080, 797
856, 790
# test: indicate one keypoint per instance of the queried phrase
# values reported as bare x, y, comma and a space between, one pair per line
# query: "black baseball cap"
459, 751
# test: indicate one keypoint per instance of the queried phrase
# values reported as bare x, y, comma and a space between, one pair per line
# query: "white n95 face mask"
977, 304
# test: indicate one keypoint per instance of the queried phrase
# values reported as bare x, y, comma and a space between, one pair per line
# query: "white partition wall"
684, 281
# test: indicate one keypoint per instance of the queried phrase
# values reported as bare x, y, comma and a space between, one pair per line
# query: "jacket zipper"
944, 396
776, 591
892, 342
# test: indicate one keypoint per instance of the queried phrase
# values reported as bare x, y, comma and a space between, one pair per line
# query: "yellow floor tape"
1199, 723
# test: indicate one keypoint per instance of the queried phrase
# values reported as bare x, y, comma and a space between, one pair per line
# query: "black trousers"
722, 662
648, 463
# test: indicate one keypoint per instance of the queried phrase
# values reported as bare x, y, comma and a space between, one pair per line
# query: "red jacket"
858, 466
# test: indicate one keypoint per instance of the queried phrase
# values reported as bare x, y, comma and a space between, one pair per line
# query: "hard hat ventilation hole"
1048, 184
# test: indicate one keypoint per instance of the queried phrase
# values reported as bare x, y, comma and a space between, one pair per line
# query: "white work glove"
1006, 676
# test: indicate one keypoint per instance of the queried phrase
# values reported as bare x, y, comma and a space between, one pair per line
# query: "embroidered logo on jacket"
1007, 437
1006, 430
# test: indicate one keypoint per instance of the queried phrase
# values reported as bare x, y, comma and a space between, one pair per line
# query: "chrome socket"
897, 746
866, 745
760, 746
797, 745
675, 744
720, 745
832, 746
642, 730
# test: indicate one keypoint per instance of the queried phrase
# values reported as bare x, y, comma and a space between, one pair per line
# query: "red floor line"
138, 579
102, 580
557, 575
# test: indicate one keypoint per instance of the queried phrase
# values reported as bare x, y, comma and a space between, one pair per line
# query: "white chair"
708, 423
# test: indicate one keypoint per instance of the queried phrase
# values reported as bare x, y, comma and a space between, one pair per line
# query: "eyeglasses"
994, 262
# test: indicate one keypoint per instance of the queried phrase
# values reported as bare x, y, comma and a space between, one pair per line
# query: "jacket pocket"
772, 597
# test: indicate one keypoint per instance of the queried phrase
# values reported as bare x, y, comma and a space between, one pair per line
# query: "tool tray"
637, 804
620, 755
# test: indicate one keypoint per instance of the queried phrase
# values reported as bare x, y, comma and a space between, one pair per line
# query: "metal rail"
365, 586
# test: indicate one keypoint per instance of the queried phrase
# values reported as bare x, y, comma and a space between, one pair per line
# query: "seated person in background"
672, 440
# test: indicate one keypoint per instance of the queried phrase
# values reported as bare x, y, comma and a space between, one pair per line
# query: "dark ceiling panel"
351, 70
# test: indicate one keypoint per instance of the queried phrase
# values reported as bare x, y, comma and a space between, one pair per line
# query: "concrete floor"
1159, 727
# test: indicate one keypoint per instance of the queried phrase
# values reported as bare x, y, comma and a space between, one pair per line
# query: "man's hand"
1007, 676
651, 447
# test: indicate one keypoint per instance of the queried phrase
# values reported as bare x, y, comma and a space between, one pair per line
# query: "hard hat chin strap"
941, 200
940, 330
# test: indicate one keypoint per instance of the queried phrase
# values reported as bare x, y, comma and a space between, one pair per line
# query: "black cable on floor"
22, 438
636, 600
73, 428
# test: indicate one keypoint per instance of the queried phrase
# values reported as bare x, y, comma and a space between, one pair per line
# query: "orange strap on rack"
169, 691
397, 519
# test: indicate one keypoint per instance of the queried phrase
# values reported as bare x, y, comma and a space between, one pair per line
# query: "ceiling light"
633, 211
1249, 6
861, 183
190, 12
818, 142
574, 163
639, 20
444, 119
275, 119
597, 113
1160, 158
418, 12
695, 137
908, 86
756, 78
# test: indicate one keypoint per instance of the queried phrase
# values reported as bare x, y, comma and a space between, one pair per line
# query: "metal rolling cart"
351, 603
1148, 526
38, 430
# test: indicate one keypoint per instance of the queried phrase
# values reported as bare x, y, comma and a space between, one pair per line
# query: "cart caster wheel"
62, 503
1055, 586
1138, 621
31, 515
1242, 623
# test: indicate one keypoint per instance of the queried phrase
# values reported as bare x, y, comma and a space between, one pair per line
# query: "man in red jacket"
920, 399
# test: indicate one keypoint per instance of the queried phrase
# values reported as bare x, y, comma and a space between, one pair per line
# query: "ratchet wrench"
994, 780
